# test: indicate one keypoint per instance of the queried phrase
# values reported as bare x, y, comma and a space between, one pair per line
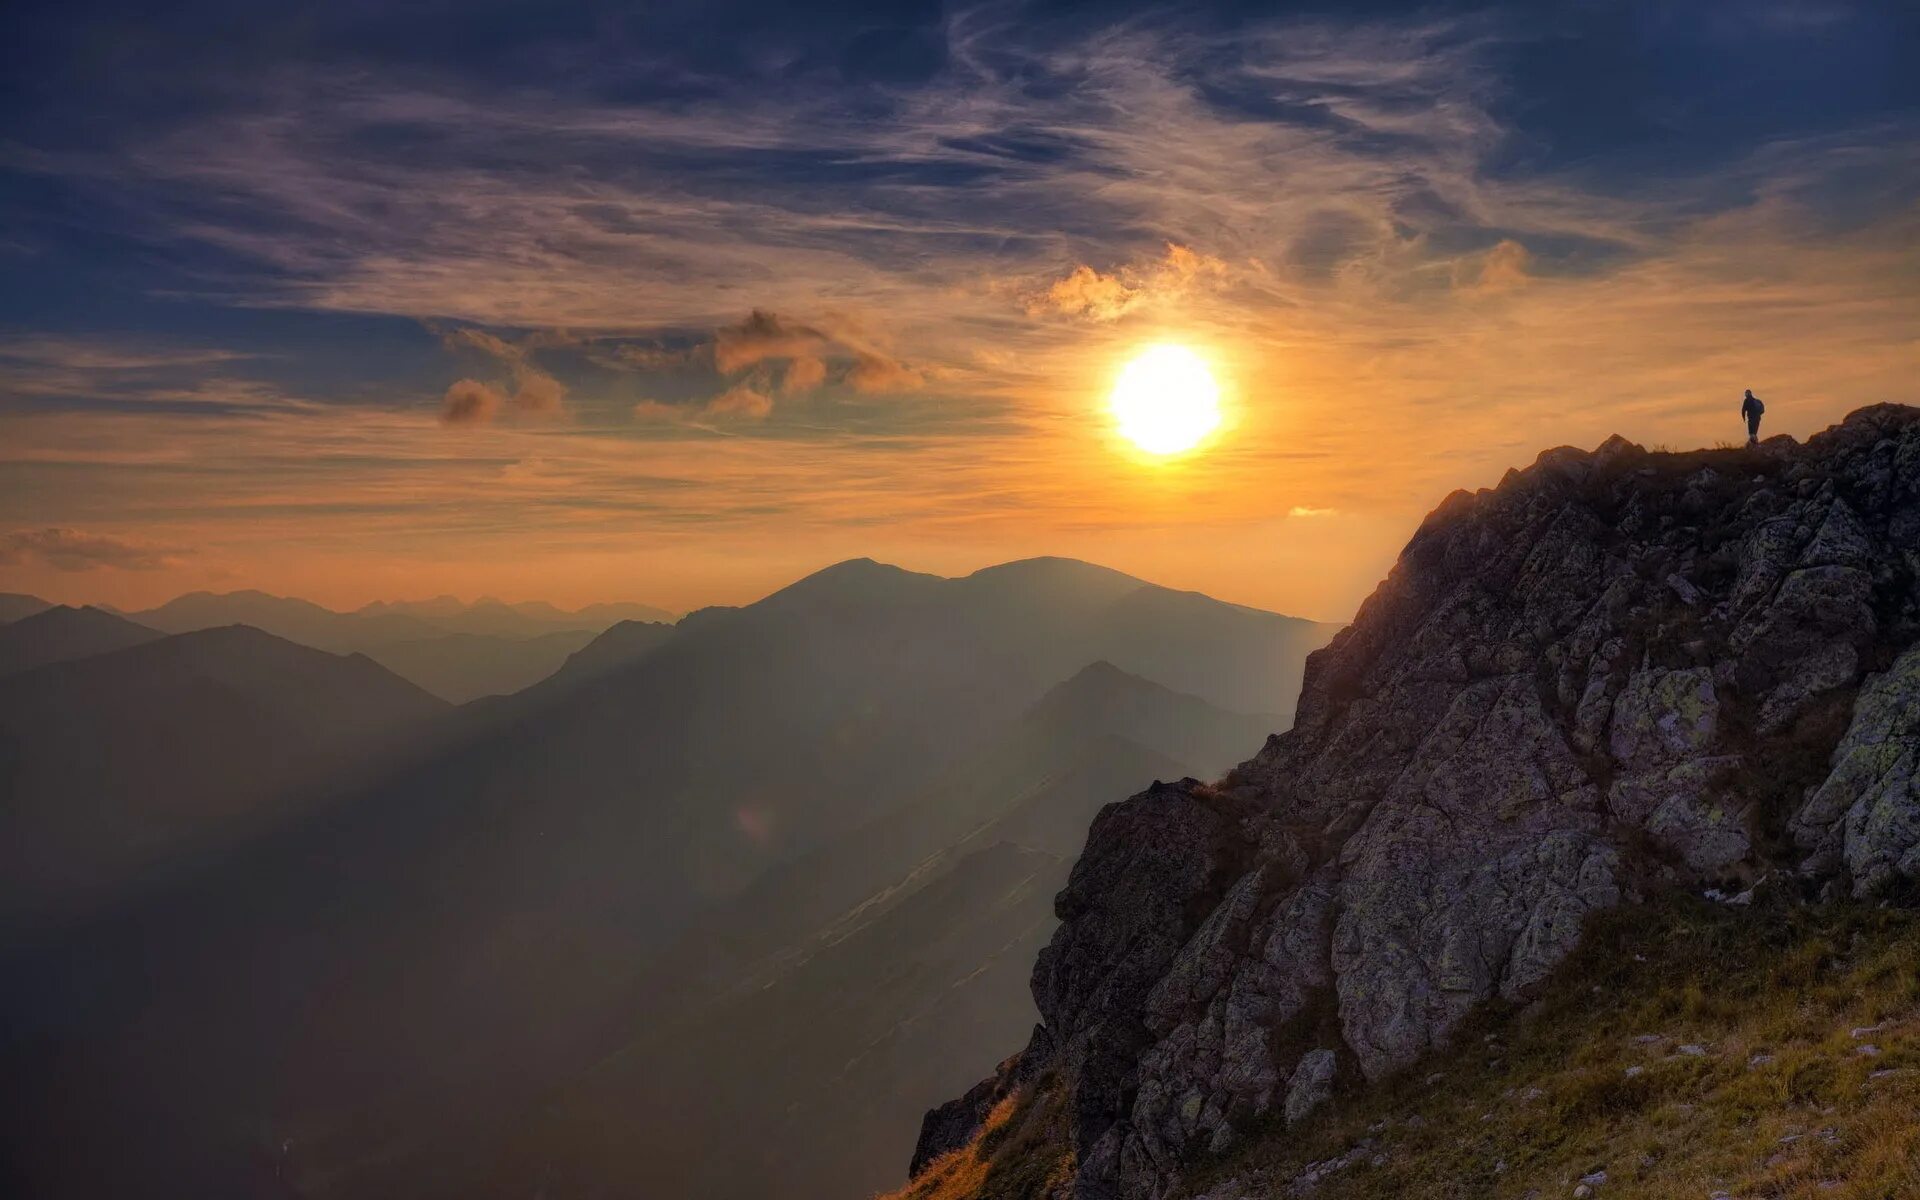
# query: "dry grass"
1020, 1153
1772, 1096
1688, 1050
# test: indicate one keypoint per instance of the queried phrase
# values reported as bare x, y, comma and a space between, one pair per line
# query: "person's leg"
1753, 428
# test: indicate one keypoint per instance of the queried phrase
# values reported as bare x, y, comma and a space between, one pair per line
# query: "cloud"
803, 375
1304, 510
1085, 292
1502, 268
761, 336
876, 374
470, 402
73, 550
807, 349
741, 400
629, 356
535, 391
655, 410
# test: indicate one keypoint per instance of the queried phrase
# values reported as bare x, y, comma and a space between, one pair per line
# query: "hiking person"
1751, 408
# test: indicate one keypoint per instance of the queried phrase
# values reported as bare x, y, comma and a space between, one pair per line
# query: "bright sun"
1165, 400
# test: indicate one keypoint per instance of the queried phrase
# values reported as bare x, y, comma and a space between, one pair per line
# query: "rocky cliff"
1618, 674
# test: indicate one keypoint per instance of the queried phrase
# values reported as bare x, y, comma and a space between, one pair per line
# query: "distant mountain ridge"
381, 622
456, 650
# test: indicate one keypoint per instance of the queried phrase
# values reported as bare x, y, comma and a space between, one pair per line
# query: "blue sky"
673, 301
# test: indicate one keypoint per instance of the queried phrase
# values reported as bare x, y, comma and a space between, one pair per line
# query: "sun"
1165, 401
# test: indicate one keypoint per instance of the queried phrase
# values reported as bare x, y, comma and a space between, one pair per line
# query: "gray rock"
1311, 1084
1866, 814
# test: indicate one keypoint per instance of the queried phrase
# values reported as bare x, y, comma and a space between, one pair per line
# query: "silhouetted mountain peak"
1055, 569
1101, 680
857, 580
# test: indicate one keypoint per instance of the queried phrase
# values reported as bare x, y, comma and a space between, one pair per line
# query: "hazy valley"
367, 943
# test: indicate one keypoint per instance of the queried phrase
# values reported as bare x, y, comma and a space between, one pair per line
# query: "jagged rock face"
1865, 817
1617, 671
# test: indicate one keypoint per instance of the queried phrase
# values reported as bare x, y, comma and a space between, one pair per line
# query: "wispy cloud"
76, 550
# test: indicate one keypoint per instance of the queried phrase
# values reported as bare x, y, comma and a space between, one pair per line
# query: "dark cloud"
75, 550
470, 402
808, 350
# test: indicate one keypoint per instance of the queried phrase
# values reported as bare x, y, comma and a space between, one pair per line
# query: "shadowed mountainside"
857, 985
15, 606
1617, 675
126, 763
61, 634
458, 651
462, 667
617, 646
362, 1000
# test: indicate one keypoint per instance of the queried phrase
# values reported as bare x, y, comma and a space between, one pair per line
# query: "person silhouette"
1751, 408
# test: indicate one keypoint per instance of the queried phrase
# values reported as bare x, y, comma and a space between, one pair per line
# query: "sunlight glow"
1166, 400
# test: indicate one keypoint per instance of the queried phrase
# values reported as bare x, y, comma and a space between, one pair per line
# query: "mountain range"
399, 965
458, 651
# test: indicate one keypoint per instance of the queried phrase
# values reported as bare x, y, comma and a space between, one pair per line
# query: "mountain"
1618, 678
856, 986
123, 764
295, 620
459, 667
60, 634
488, 617
468, 929
621, 643
458, 651
15, 606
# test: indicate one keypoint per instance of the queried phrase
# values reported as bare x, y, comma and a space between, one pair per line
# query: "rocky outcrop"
1616, 672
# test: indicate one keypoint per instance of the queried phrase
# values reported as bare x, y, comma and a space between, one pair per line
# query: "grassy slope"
1800, 1078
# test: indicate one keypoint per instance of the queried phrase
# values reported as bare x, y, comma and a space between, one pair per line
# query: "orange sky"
576, 376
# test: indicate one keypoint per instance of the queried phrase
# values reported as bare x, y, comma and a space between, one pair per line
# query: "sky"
675, 302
